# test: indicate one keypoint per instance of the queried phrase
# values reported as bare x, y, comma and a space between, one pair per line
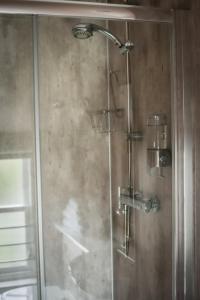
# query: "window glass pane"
11, 182
13, 253
14, 236
12, 219
13, 266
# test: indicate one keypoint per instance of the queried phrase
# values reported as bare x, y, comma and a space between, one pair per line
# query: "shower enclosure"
89, 209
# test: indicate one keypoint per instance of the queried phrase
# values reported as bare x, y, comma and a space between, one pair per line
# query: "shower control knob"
165, 158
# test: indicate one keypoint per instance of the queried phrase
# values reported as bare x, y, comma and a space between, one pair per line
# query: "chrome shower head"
85, 31
82, 31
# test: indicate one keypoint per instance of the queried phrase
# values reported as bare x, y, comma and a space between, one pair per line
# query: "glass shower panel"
18, 259
74, 162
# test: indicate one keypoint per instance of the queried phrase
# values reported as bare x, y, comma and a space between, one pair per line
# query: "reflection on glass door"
17, 253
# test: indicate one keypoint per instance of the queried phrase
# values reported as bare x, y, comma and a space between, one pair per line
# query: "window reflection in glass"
16, 228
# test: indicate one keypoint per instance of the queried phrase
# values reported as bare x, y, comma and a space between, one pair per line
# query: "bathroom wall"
177, 4
16, 74
151, 86
166, 4
180, 4
151, 245
188, 86
75, 163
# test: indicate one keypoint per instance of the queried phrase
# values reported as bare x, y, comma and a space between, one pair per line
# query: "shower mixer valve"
129, 198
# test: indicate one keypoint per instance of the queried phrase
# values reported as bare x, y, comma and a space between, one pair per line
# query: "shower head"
82, 31
85, 31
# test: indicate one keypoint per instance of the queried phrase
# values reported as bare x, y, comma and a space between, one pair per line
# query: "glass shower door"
18, 239
74, 163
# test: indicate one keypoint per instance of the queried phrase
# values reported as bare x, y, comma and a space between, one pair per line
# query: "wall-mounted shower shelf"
136, 200
107, 120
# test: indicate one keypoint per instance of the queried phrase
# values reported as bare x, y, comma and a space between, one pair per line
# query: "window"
16, 224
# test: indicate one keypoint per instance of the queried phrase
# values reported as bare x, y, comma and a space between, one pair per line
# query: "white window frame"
8, 274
